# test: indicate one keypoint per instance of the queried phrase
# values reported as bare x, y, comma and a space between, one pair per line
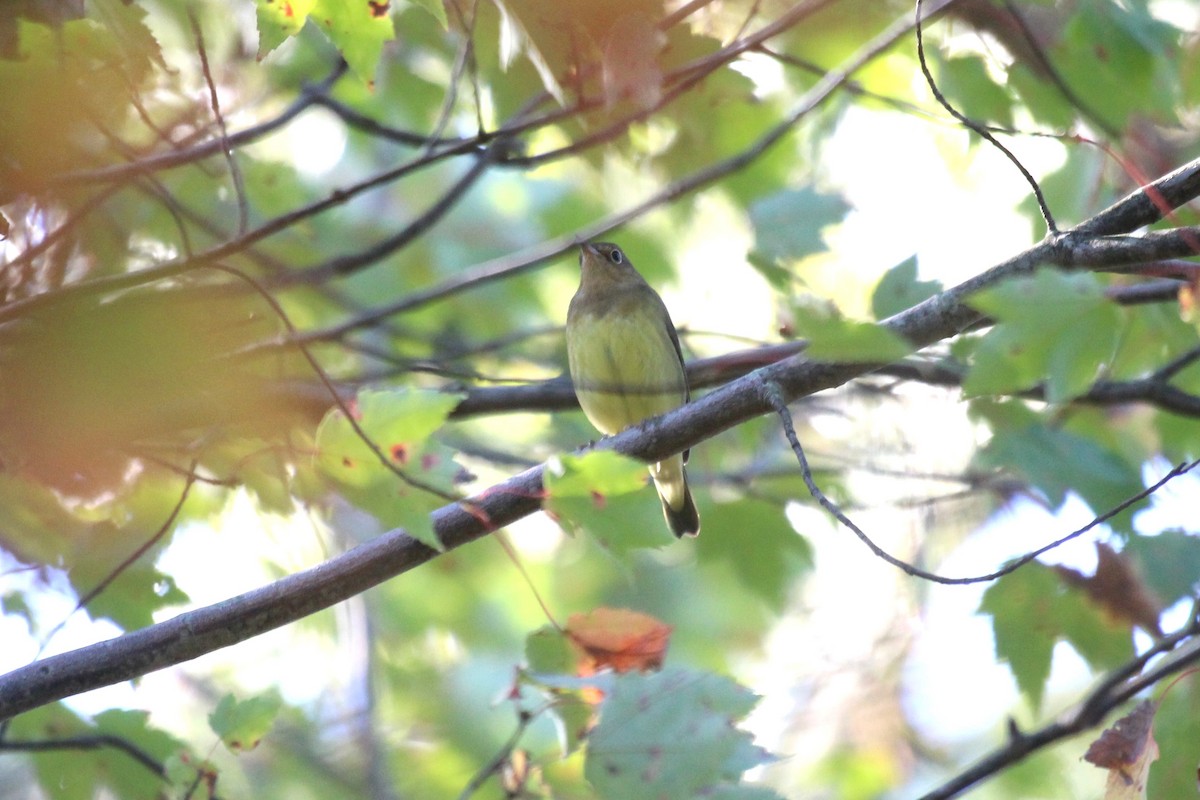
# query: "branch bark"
204, 630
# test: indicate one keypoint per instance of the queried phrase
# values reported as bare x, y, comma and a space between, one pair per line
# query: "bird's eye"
616, 256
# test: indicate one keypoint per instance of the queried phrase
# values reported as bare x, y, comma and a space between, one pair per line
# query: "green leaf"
832, 337
279, 20
573, 718
1169, 563
1057, 461
358, 30
619, 524
1104, 644
242, 724
766, 555
1053, 327
134, 727
1060, 187
900, 290
788, 224
602, 493
131, 599
777, 275
851, 772
670, 735
435, 7
1176, 730
1119, 61
1031, 610
72, 774
62, 774
14, 604
123, 526
400, 423
1043, 100
966, 83
1021, 605
548, 651
184, 771
598, 472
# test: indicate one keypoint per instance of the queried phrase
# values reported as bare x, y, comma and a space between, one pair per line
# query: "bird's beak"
586, 250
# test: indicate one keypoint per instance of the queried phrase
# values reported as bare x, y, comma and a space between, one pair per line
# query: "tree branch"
204, 630
1121, 685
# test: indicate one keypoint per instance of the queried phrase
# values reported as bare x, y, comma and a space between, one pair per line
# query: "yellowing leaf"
279, 20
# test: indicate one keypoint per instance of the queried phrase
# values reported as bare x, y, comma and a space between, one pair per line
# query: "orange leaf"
618, 638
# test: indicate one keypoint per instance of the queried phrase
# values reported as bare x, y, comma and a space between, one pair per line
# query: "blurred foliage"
397, 186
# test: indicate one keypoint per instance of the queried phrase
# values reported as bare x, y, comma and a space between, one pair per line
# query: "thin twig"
1118, 687
981, 130
128, 561
774, 395
235, 171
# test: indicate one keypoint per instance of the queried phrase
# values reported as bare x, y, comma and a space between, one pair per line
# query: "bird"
627, 366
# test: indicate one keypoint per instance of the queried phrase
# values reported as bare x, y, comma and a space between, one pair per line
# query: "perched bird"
626, 364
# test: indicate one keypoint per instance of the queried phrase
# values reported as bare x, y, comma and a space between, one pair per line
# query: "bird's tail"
670, 478
684, 521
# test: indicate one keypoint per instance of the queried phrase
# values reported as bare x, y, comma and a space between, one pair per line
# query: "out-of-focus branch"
201, 631
1121, 685
212, 147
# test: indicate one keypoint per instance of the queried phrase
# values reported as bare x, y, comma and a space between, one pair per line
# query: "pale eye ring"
616, 256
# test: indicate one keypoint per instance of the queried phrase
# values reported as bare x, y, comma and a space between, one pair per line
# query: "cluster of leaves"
167, 263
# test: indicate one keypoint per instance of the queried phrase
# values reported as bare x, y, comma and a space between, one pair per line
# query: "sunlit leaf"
279, 20
899, 290
1021, 608
599, 472
832, 337
966, 83
242, 724
358, 29
1053, 327
620, 523
548, 651
397, 422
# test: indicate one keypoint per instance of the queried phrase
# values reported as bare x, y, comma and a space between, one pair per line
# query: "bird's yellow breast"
625, 366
